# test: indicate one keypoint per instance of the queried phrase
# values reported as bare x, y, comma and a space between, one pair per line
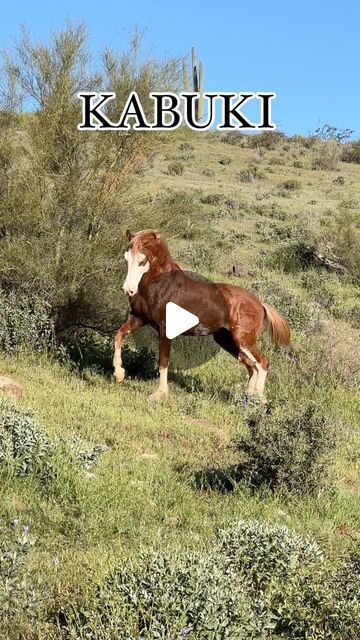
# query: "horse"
234, 316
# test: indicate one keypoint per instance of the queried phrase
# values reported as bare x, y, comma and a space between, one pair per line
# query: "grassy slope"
143, 489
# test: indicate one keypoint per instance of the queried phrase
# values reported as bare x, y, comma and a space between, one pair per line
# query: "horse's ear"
129, 235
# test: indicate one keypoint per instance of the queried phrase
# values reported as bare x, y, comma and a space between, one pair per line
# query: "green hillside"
167, 476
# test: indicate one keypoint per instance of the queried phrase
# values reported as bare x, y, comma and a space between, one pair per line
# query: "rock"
9, 387
239, 271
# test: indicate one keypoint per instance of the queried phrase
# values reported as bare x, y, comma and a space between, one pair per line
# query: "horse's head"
146, 253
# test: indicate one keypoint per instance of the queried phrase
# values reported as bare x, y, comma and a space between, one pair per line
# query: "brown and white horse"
234, 316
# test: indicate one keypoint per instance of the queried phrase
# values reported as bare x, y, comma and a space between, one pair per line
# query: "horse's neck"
157, 269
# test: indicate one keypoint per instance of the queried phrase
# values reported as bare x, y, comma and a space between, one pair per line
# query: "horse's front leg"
131, 324
164, 354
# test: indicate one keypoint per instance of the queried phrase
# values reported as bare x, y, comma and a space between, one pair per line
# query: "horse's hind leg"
225, 339
131, 324
255, 360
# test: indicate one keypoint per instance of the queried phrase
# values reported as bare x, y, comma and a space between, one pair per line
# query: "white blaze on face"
138, 264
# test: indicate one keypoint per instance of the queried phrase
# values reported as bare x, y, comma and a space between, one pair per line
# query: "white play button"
178, 320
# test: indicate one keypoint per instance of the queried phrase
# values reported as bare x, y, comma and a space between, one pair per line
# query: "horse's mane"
153, 240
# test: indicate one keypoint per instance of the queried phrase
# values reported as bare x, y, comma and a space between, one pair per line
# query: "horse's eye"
143, 263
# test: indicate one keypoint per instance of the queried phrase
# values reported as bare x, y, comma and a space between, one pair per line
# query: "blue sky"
308, 51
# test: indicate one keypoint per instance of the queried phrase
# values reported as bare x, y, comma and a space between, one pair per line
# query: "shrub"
175, 169
255, 582
24, 322
23, 443
62, 191
263, 551
176, 212
250, 174
16, 592
291, 185
186, 151
351, 152
267, 140
212, 198
327, 155
288, 451
208, 173
26, 448
225, 160
235, 138
201, 255
301, 315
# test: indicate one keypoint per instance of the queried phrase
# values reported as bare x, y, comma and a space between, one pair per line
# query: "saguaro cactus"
197, 77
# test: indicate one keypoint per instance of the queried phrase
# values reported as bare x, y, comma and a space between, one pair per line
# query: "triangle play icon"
178, 320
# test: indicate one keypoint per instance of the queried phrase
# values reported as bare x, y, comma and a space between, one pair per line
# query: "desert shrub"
186, 151
337, 238
201, 254
273, 231
329, 132
326, 156
212, 198
262, 551
267, 140
250, 174
24, 322
24, 445
225, 160
277, 160
291, 185
235, 138
288, 451
291, 257
17, 594
336, 348
254, 582
175, 169
303, 141
301, 315
186, 146
339, 297
176, 212
62, 190
298, 164
351, 152
208, 173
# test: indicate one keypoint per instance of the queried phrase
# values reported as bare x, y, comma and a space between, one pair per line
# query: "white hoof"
158, 395
119, 375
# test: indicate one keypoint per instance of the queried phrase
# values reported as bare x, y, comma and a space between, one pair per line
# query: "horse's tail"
276, 325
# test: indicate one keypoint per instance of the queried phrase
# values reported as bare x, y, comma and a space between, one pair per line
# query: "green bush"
212, 198
326, 155
291, 185
256, 581
24, 322
250, 174
351, 152
175, 169
62, 211
289, 451
26, 448
267, 140
17, 594
301, 314
263, 551
24, 445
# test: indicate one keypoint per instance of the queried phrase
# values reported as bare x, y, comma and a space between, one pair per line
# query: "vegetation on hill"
199, 517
